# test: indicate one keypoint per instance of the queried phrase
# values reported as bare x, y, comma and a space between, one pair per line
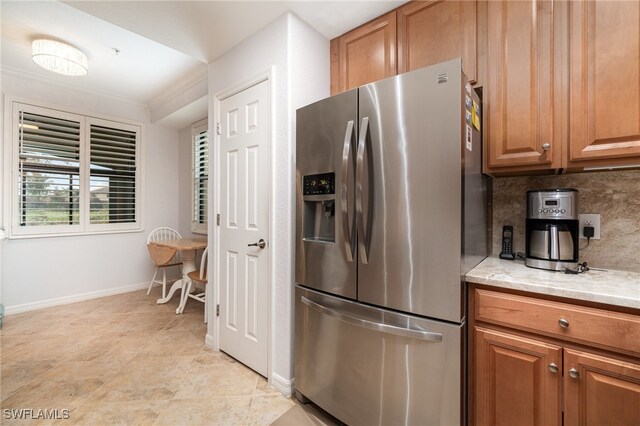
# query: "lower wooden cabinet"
527, 373
600, 390
518, 380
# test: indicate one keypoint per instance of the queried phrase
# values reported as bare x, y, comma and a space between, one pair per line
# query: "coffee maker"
552, 229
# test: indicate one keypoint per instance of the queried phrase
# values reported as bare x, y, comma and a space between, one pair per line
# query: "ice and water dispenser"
319, 199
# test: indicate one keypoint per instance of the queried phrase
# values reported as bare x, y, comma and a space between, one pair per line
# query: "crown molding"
6, 71
165, 98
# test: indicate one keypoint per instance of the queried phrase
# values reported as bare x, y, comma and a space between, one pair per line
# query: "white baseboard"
209, 342
25, 307
283, 385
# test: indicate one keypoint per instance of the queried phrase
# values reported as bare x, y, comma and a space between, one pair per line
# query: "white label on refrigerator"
469, 136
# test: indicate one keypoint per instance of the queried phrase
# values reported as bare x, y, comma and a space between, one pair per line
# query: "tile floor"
126, 360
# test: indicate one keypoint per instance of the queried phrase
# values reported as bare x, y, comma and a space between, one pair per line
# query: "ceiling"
206, 29
164, 45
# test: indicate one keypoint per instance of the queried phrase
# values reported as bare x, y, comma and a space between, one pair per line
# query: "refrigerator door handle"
346, 151
375, 326
362, 240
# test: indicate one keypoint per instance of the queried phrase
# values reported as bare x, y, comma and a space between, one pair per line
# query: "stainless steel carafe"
552, 229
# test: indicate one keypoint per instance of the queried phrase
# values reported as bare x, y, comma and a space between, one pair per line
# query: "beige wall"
615, 195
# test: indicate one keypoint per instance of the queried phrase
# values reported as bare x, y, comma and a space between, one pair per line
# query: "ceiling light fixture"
59, 57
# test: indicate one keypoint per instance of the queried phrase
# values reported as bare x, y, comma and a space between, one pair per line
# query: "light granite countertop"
618, 288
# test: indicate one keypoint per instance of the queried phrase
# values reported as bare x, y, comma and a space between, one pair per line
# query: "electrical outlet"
590, 220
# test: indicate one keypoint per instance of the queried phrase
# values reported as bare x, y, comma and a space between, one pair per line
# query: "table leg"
176, 285
188, 265
184, 296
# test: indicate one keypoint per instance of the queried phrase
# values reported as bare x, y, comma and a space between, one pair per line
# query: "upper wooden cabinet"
522, 97
435, 31
561, 79
604, 80
367, 53
417, 34
566, 74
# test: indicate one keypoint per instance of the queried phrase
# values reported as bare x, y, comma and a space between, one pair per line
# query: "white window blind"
71, 173
200, 136
48, 170
112, 175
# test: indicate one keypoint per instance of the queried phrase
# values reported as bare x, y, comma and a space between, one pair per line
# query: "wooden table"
187, 248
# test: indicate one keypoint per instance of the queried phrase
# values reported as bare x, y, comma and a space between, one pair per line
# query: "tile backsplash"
615, 195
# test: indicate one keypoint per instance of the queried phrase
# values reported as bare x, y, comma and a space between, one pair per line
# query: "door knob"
573, 373
546, 146
553, 368
260, 244
563, 323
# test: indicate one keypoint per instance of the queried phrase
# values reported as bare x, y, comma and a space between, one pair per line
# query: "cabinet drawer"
597, 327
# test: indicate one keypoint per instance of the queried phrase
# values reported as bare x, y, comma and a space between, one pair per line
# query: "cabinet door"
368, 53
600, 390
435, 31
523, 100
514, 381
604, 80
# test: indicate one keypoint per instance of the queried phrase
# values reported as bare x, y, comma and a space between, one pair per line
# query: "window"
200, 167
112, 175
48, 170
72, 174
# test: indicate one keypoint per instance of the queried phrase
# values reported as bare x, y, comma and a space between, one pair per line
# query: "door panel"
600, 390
430, 32
368, 53
523, 102
514, 382
604, 80
244, 270
324, 263
412, 183
366, 375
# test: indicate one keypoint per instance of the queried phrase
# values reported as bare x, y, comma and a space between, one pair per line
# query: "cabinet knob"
573, 373
553, 368
563, 323
546, 146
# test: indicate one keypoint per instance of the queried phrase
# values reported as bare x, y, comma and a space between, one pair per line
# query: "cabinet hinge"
217, 310
218, 219
218, 128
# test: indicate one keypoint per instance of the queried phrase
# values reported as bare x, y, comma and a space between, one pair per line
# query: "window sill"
74, 234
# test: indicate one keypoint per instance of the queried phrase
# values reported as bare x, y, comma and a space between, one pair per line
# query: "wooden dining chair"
195, 278
162, 257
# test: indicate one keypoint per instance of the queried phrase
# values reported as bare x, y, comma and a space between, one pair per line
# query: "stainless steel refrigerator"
391, 212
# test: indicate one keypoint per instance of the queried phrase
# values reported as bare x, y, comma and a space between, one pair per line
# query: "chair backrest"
203, 264
161, 255
163, 233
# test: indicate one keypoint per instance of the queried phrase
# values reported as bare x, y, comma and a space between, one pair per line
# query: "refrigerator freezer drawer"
369, 366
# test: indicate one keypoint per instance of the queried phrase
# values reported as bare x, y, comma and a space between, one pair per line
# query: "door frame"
213, 329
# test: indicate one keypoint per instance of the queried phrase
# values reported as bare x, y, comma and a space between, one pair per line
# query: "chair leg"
164, 282
152, 281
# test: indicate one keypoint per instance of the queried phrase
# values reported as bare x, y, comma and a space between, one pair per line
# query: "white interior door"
244, 206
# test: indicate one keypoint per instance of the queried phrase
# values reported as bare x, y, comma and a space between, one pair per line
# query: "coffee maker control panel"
558, 204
